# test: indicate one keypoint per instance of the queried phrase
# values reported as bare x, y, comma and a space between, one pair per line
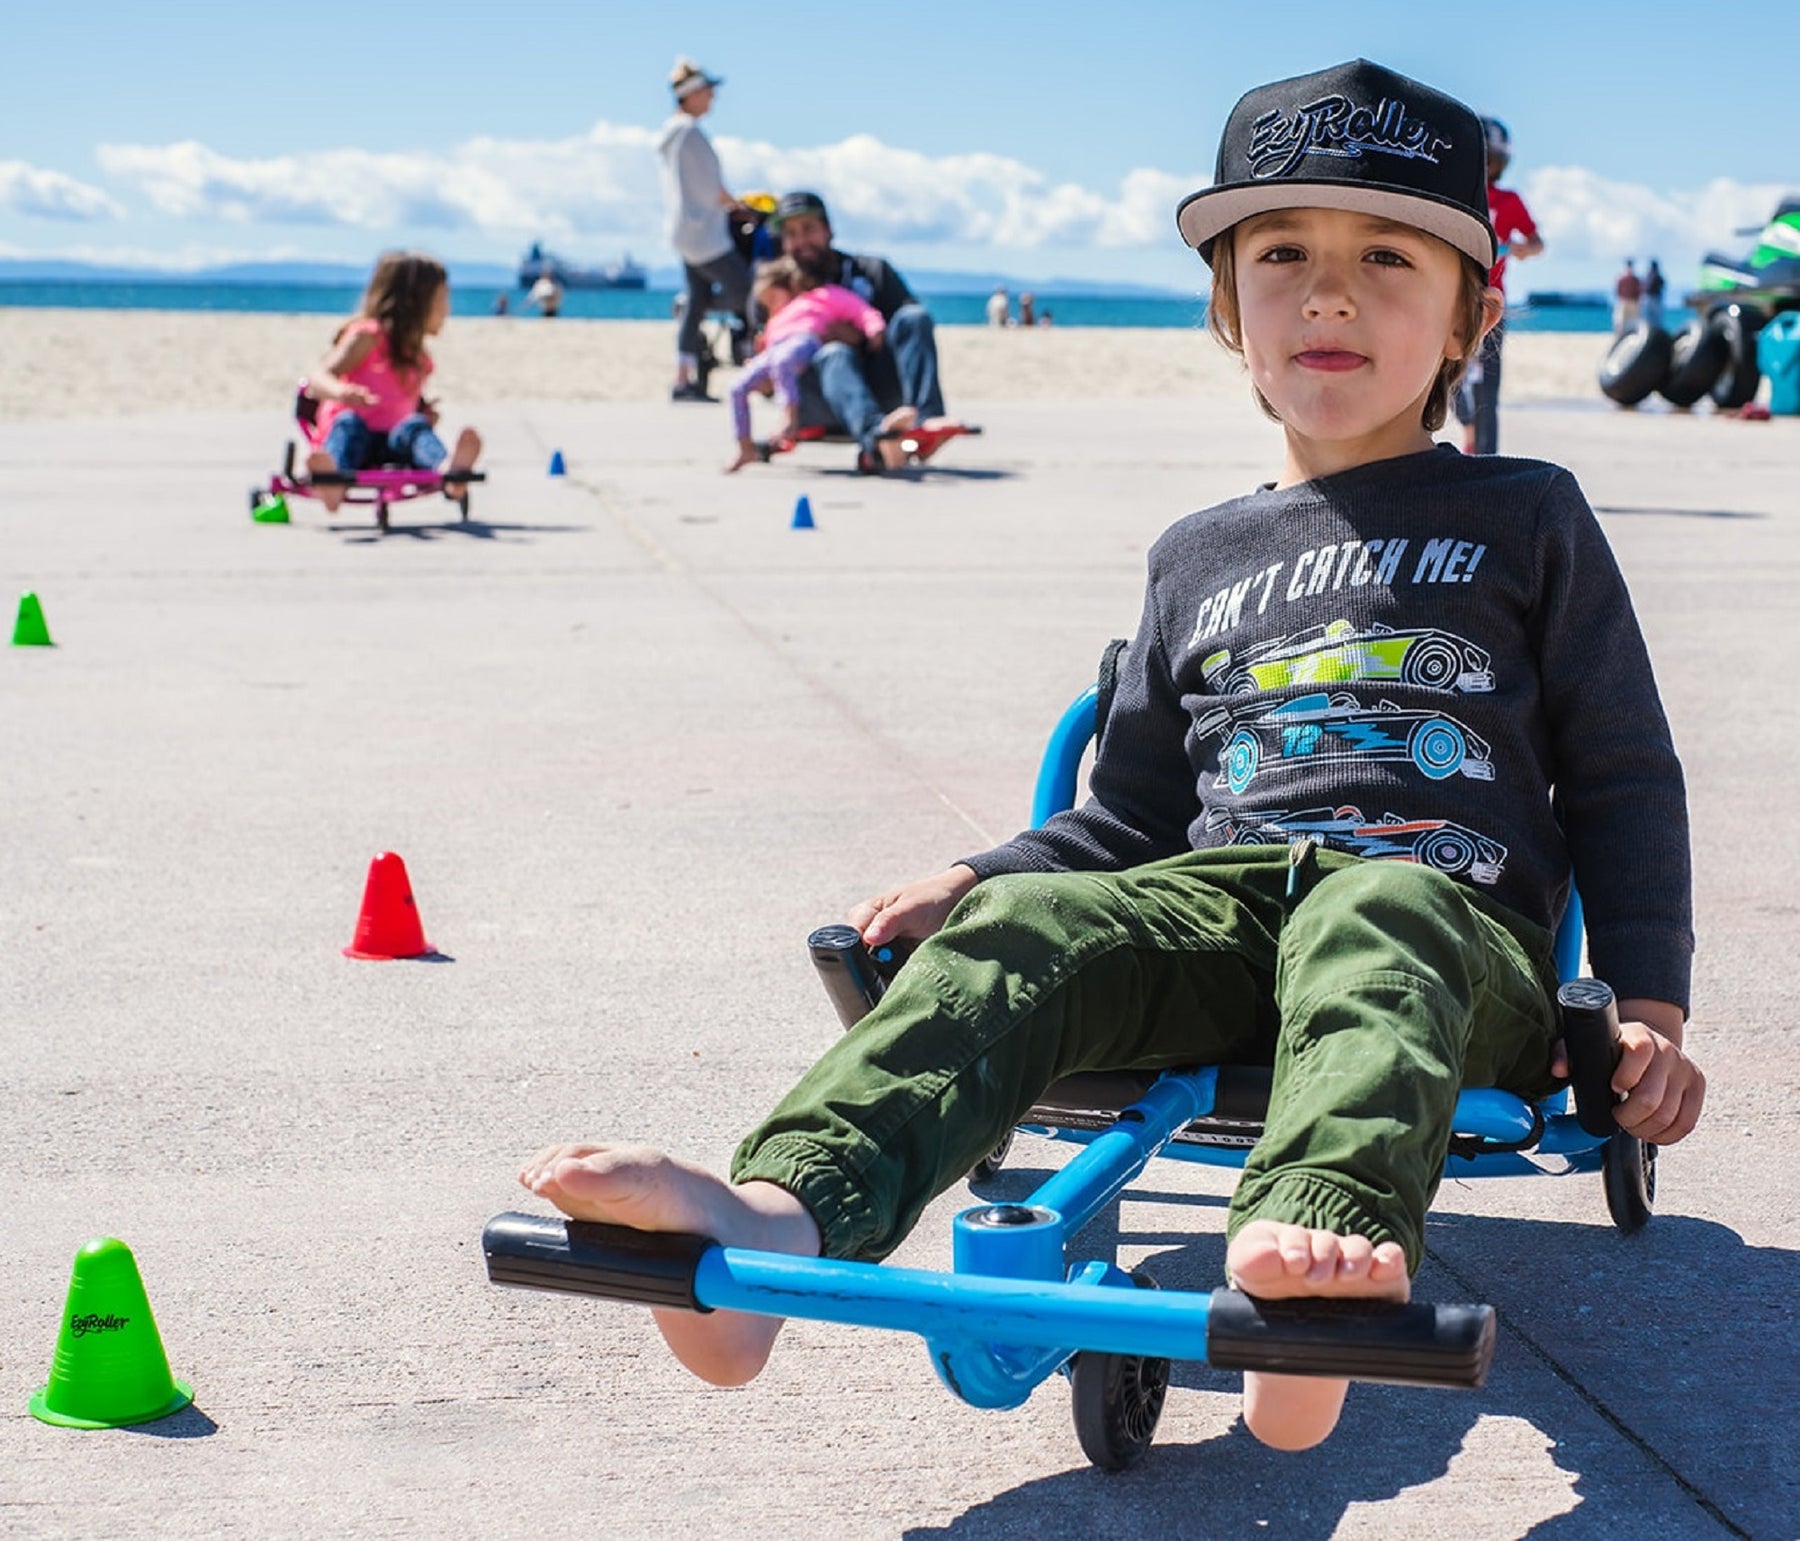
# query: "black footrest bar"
1374, 1340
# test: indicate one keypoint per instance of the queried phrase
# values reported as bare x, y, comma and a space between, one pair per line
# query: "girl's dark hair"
1223, 322
400, 295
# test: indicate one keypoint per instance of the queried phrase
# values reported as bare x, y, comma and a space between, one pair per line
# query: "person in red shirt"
1478, 402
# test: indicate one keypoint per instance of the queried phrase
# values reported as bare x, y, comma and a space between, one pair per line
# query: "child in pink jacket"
799, 313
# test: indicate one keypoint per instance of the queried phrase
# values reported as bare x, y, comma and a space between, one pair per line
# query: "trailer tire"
1696, 359
1636, 364
1736, 326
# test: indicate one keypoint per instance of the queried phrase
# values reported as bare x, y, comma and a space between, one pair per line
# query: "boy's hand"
1662, 1087
915, 910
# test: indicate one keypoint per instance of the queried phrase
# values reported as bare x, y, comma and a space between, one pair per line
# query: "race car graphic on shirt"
1339, 727
1338, 652
1450, 848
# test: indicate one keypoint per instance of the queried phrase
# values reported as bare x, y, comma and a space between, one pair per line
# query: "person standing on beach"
999, 308
1478, 402
698, 204
1627, 293
1653, 293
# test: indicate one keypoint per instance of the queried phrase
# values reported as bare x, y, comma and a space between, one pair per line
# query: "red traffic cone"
388, 926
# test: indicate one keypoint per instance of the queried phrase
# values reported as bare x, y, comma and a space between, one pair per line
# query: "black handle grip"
1590, 1018
851, 979
580, 1257
1377, 1340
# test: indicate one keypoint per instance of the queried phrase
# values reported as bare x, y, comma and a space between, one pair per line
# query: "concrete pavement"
635, 737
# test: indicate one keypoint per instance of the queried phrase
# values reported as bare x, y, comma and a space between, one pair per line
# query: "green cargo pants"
1376, 989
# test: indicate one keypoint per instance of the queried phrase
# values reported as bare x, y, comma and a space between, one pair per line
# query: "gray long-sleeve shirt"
693, 186
1405, 660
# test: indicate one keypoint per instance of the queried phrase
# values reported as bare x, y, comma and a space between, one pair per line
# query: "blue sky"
1042, 140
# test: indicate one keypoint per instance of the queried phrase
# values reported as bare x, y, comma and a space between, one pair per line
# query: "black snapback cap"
1356, 136
792, 205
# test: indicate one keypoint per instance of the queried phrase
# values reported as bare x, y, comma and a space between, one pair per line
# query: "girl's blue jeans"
355, 446
1376, 989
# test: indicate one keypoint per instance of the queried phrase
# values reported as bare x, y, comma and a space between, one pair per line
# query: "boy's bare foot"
462, 458
900, 419
747, 454
893, 457
1274, 1261
331, 495
649, 1191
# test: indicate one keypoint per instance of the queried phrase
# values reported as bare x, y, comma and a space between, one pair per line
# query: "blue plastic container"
1778, 356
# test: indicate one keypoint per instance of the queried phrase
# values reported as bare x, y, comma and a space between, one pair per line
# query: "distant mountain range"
500, 275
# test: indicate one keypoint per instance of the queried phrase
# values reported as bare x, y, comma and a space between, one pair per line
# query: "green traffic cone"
110, 1368
271, 510
29, 630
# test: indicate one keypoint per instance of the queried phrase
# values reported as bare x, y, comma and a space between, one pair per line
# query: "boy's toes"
1387, 1263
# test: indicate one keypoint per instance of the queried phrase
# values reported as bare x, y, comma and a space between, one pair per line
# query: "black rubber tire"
988, 1167
1118, 1399
256, 497
1628, 1166
1696, 359
381, 517
462, 504
1636, 364
1736, 326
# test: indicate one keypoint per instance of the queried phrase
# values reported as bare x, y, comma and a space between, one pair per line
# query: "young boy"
1481, 653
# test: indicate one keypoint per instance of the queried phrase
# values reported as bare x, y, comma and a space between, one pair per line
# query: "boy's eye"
1281, 254
1386, 257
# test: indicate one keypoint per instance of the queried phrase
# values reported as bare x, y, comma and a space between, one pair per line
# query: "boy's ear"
1493, 308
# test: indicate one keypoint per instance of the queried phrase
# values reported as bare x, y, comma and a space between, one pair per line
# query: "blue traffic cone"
557, 468
803, 519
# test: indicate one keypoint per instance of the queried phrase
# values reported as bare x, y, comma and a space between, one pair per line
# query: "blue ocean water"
654, 304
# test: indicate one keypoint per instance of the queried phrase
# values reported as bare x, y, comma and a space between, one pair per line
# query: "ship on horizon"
537, 262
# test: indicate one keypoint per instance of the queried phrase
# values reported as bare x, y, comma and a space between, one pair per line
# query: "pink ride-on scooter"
377, 485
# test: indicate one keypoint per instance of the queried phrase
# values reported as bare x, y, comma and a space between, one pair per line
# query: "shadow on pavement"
189, 1423
473, 529
1675, 1340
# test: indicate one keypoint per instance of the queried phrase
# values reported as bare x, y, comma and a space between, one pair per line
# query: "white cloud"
605, 182
603, 186
1588, 217
32, 190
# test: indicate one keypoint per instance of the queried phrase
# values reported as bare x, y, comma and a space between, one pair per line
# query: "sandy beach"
79, 363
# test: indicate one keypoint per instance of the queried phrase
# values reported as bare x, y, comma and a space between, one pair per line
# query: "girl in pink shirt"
799, 313
371, 383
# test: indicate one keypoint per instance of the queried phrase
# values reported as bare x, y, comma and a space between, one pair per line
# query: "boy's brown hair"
1222, 321
400, 295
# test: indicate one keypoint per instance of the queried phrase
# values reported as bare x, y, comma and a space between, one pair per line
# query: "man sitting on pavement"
851, 387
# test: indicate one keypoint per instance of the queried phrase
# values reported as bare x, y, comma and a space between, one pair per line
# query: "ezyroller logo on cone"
109, 1369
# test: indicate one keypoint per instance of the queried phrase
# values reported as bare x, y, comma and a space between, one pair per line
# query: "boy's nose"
1329, 294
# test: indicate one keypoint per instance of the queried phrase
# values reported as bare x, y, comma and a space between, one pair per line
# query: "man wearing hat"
849, 386
694, 192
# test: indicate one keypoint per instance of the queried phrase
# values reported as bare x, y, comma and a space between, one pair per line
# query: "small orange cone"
388, 926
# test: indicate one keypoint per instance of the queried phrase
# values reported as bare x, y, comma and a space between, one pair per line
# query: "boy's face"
1345, 320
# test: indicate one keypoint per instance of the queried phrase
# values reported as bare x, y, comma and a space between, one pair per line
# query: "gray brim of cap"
1204, 215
